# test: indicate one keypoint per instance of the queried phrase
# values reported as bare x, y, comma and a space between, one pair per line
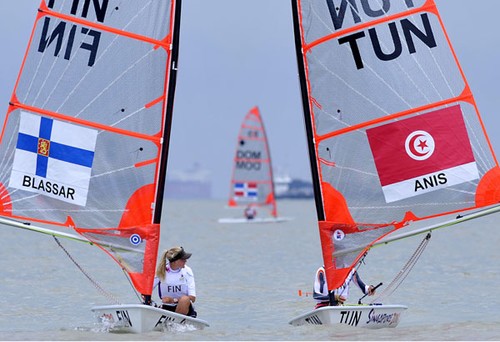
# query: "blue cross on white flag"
53, 158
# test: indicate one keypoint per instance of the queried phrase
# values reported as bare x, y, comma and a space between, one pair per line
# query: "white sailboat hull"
139, 318
364, 316
254, 220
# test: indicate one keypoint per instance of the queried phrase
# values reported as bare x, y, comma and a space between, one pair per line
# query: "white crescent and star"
419, 145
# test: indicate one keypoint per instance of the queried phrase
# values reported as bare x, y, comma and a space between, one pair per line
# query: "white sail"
394, 132
252, 181
85, 140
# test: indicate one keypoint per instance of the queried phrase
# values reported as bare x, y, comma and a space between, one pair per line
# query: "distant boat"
292, 188
84, 143
396, 144
251, 185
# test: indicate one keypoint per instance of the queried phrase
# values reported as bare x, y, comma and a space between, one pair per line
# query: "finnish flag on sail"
53, 158
421, 154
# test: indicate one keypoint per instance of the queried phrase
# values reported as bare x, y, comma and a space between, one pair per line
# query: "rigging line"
101, 56
97, 286
318, 18
48, 74
358, 265
112, 171
481, 153
368, 99
4, 168
408, 76
403, 273
84, 77
47, 210
117, 79
132, 285
59, 80
381, 79
412, 205
354, 90
438, 66
351, 169
36, 72
425, 73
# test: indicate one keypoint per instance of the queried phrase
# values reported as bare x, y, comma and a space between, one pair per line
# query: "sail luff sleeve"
308, 119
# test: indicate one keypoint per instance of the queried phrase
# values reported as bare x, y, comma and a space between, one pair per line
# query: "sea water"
248, 277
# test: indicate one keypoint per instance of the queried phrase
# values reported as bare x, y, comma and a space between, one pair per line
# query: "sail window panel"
131, 256
351, 90
347, 164
355, 240
147, 18
104, 78
329, 16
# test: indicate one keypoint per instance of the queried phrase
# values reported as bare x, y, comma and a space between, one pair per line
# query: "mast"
174, 54
307, 112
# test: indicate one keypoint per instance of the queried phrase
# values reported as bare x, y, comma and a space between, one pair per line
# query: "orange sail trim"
154, 102
5, 201
46, 11
139, 207
86, 123
429, 6
335, 205
465, 96
488, 190
335, 275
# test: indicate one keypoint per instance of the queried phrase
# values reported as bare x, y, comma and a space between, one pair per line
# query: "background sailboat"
252, 182
85, 140
394, 135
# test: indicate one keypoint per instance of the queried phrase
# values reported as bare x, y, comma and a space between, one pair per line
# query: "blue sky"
236, 54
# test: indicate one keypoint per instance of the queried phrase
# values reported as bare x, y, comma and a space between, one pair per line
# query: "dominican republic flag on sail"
247, 190
53, 158
422, 154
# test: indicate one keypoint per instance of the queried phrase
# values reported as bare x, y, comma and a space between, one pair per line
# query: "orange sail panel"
394, 132
84, 142
252, 180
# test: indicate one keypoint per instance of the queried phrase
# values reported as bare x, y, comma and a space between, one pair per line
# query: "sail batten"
165, 42
393, 129
427, 7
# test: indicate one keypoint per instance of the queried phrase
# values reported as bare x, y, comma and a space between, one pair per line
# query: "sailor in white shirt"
175, 282
320, 289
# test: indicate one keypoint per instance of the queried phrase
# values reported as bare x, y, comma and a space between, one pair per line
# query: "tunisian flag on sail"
422, 154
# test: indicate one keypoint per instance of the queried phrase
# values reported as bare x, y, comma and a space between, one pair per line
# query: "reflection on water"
248, 277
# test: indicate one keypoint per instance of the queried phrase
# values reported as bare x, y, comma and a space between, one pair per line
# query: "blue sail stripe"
71, 154
41, 166
46, 128
27, 142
